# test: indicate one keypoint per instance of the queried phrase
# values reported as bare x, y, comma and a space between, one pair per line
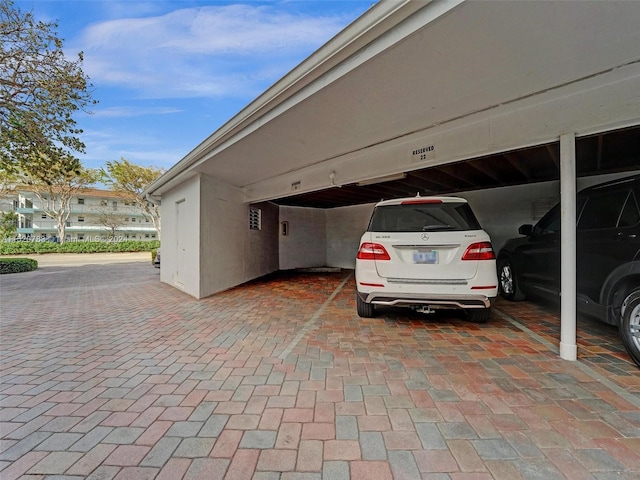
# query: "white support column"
568, 347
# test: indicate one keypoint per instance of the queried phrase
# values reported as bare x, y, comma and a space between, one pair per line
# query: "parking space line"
585, 368
311, 322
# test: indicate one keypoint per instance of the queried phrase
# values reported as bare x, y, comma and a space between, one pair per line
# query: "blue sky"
167, 74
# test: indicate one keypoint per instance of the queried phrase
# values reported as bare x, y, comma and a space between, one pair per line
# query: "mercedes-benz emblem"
425, 236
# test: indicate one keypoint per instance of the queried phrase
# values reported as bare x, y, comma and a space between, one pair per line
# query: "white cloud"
127, 112
138, 147
231, 50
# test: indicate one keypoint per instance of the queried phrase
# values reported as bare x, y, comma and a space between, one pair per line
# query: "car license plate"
425, 257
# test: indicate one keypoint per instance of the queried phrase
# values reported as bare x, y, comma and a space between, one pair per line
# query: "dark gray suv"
608, 258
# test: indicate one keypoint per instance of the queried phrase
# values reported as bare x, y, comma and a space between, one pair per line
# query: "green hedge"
16, 248
17, 265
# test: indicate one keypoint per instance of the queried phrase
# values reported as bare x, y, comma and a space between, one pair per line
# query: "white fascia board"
367, 36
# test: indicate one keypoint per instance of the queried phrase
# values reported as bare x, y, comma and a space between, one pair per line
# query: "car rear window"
427, 217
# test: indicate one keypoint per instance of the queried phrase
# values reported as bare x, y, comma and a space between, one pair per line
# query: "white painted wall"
261, 251
305, 245
182, 271
345, 226
231, 253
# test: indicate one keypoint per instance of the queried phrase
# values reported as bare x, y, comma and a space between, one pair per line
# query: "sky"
167, 74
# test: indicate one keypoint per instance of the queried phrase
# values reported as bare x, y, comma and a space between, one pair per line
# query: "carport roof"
408, 66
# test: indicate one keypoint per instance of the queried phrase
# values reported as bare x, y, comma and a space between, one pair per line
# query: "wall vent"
255, 219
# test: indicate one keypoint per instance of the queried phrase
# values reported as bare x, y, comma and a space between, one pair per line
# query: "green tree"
131, 180
8, 225
8, 181
40, 90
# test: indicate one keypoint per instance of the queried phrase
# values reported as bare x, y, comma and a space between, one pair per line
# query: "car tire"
365, 310
630, 325
479, 315
508, 281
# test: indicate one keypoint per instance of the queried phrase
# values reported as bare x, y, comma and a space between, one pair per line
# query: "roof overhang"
412, 84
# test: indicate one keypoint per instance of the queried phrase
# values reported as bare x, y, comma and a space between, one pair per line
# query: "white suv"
426, 253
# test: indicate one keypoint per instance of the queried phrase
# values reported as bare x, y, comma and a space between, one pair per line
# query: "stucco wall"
180, 211
305, 245
231, 253
345, 226
261, 251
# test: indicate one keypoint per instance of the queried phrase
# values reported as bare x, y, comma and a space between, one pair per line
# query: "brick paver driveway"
107, 373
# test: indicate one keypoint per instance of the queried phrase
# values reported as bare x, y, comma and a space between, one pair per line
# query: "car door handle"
622, 235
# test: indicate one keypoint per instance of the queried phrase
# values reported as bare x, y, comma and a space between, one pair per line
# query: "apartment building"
93, 214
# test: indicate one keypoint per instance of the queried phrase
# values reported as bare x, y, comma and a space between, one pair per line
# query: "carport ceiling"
610, 152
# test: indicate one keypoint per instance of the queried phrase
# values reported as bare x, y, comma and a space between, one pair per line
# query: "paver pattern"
108, 374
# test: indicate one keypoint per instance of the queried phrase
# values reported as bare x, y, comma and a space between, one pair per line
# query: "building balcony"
24, 210
97, 209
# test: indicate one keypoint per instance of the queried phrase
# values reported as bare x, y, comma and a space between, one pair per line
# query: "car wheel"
508, 281
630, 325
365, 310
479, 315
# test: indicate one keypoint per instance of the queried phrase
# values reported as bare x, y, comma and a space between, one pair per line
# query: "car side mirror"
526, 229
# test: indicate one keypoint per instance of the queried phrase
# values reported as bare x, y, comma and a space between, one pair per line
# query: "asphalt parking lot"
106, 373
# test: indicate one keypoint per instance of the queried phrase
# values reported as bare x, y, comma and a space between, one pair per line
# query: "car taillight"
372, 251
479, 251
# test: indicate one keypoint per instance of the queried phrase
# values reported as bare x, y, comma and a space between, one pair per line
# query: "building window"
255, 219
115, 205
133, 220
146, 235
153, 235
68, 224
81, 236
44, 215
103, 203
80, 219
81, 201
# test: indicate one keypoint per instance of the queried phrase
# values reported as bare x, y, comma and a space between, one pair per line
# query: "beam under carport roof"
602, 153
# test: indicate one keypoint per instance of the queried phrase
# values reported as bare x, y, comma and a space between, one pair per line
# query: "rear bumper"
435, 301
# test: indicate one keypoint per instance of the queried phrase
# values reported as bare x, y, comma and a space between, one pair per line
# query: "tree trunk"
61, 229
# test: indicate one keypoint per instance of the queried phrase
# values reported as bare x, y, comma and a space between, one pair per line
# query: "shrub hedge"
17, 265
16, 248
